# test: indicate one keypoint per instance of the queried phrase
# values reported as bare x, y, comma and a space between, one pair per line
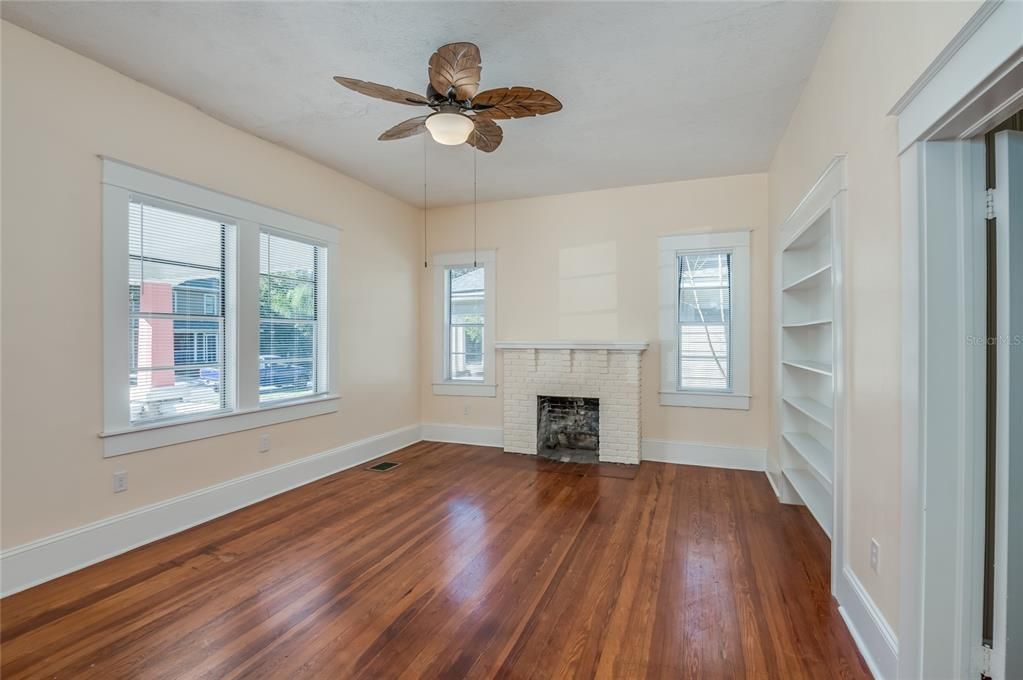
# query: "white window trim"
120, 436
736, 242
441, 384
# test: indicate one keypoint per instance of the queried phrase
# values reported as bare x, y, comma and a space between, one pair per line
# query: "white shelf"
814, 278
817, 455
813, 409
807, 324
810, 236
814, 495
812, 366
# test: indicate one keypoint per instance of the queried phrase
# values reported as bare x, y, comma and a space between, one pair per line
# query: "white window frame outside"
737, 243
442, 384
121, 181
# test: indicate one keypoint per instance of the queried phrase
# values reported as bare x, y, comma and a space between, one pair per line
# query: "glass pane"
175, 293
285, 378
700, 270
166, 235
704, 305
287, 340
466, 302
171, 393
468, 341
703, 341
289, 325
285, 257
704, 374
286, 298
466, 366
166, 288
467, 313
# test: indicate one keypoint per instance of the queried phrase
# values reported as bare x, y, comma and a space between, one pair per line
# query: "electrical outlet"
264, 443
875, 555
467, 410
120, 481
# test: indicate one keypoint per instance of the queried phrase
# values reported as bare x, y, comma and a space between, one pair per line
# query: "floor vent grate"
383, 467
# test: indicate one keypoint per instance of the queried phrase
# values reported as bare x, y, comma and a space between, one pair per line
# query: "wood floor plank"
463, 562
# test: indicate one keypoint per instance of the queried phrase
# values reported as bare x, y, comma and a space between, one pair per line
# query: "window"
466, 314
704, 321
216, 313
289, 283
704, 301
463, 342
174, 256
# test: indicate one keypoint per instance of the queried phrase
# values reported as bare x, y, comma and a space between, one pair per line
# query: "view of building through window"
704, 321
466, 316
289, 274
175, 296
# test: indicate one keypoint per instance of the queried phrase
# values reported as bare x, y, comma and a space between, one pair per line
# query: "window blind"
466, 305
290, 333
704, 321
176, 293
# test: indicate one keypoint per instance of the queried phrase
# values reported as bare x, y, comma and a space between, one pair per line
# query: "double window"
463, 339
704, 300
224, 326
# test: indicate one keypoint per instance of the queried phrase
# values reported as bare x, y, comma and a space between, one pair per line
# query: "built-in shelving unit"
807, 372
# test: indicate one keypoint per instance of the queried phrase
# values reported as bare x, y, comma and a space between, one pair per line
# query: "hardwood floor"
462, 562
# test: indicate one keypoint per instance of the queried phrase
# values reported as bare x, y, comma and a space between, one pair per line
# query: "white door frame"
975, 82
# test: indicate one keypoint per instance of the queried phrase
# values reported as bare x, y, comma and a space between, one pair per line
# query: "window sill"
737, 402
464, 389
144, 437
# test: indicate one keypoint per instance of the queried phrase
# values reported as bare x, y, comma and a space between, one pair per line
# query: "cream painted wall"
59, 111
584, 267
872, 55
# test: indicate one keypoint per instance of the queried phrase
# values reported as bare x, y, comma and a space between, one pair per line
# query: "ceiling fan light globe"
449, 128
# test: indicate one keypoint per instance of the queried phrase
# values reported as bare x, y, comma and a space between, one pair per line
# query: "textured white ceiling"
652, 92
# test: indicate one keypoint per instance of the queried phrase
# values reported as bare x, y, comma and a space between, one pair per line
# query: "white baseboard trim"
875, 639
463, 434
706, 455
33, 563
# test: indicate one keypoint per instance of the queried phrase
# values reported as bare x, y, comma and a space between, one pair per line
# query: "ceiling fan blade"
406, 128
391, 94
456, 66
514, 102
486, 136
409, 128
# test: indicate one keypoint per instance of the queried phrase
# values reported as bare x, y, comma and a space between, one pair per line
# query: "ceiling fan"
461, 113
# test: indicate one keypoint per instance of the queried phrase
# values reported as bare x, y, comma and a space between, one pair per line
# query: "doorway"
956, 617
1002, 628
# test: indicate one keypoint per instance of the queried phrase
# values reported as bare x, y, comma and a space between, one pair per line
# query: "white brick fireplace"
607, 371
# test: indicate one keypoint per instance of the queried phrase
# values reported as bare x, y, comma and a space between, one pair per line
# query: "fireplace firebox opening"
568, 428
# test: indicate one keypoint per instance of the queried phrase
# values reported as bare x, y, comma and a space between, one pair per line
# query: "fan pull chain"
475, 205
426, 251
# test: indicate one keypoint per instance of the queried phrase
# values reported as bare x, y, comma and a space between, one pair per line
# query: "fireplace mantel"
611, 345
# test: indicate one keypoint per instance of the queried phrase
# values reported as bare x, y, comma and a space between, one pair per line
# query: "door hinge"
989, 208
982, 662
